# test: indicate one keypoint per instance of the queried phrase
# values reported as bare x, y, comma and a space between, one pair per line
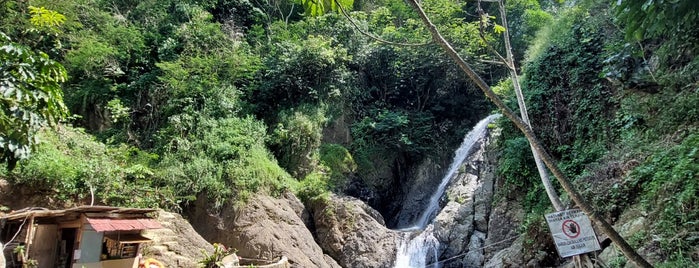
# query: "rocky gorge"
475, 225
343, 231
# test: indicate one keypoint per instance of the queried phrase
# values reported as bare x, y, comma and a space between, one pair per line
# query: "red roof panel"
106, 225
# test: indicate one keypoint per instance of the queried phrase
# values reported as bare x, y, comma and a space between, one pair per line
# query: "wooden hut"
86, 236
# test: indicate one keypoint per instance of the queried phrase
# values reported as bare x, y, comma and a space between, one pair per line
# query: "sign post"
572, 232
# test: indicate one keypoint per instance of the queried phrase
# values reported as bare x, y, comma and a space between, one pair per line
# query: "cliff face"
462, 225
263, 228
420, 184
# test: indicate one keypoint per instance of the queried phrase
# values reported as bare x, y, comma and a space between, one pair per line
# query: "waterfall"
416, 248
418, 243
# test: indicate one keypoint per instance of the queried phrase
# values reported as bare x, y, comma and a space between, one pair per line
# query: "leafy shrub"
517, 163
313, 187
297, 137
340, 163
570, 106
671, 192
72, 164
309, 71
215, 259
225, 158
31, 97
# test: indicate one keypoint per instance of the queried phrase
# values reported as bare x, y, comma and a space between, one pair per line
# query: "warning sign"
572, 232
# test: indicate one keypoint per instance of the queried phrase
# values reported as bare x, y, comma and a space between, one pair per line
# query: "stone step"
158, 233
170, 244
157, 250
165, 215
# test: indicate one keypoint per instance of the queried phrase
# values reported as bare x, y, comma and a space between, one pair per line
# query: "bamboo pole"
543, 174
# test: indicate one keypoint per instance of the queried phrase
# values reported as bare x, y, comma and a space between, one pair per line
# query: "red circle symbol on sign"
571, 229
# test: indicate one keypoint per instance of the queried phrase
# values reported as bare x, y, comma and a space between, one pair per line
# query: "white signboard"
572, 232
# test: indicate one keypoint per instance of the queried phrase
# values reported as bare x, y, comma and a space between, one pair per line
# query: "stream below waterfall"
418, 246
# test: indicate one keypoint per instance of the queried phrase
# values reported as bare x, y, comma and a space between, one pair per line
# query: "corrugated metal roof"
106, 225
45, 213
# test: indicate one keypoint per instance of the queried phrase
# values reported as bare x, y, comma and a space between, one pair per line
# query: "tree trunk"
607, 228
543, 173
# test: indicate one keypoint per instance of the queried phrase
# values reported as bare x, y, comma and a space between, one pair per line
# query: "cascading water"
419, 247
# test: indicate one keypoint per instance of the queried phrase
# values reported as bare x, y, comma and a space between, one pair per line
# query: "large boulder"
510, 256
353, 233
506, 217
263, 228
176, 244
631, 222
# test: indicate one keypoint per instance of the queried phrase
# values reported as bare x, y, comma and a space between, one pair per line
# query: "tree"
607, 228
30, 98
509, 62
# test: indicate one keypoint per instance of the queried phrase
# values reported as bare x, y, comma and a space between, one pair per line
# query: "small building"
86, 236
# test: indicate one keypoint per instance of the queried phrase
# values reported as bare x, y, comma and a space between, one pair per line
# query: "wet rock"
474, 257
424, 180
484, 197
453, 227
505, 218
462, 224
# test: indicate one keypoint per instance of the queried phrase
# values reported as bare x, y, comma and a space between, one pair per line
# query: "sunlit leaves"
648, 19
43, 18
498, 29
321, 7
30, 97
487, 21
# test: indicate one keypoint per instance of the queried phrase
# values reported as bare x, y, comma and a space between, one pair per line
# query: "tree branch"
346, 15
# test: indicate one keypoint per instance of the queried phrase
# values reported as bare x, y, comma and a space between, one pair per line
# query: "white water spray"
414, 252
419, 244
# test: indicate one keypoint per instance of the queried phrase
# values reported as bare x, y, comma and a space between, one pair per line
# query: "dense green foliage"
30, 92
224, 99
232, 98
615, 101
74, 166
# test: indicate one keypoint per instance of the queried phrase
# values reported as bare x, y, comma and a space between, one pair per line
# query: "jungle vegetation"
177, 100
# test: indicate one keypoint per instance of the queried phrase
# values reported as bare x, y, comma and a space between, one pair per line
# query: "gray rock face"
424, 181
452, 228
353, 233
462, 224
510, 256
505, 218
263, 228
631, 222
474, 257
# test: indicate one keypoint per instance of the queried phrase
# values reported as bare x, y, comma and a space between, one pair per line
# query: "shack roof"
108, 225
90, 211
